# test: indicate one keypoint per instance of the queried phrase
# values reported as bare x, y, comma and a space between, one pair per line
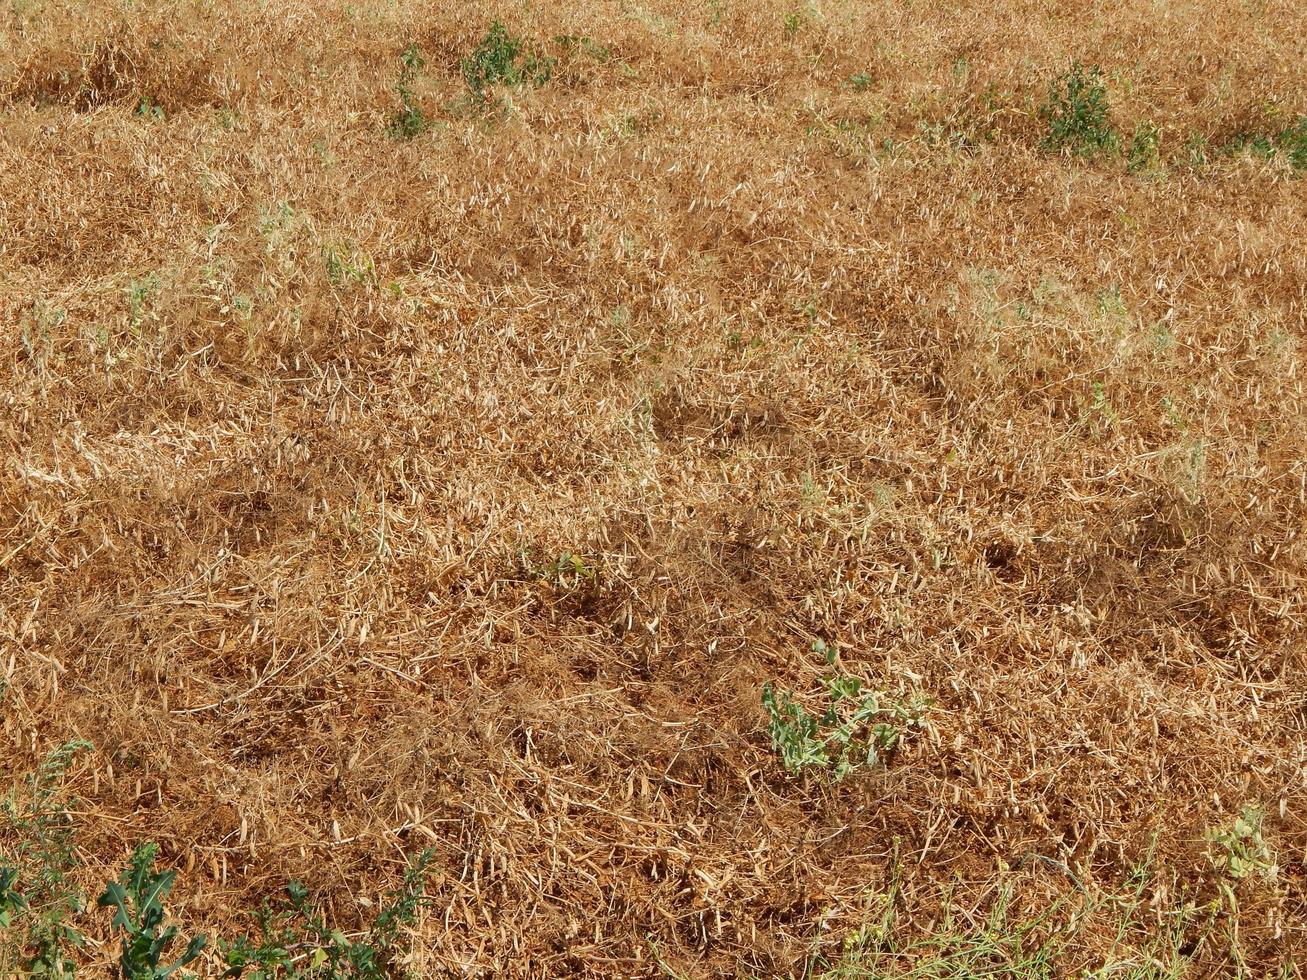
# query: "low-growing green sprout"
409, 120
147, 108
502, 58
1142, 155
296, 943
1292, 142
37, 895
857, 729
1239, 850
1076, 113
137, 899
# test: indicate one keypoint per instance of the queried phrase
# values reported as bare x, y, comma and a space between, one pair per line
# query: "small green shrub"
1195, 151
1076, 113
1292, 142
857, 729
137, 899
295, 942
502, 59
1142, 155
566, 571
36, 898
408, 121
147, 108
860, 81
1289, 143
36, 902
1239, 851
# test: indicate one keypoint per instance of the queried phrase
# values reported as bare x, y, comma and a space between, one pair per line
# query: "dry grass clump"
782, 322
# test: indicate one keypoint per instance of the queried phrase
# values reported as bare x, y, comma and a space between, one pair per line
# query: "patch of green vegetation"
1144, 942
566, 571
147, 108
856, 730
1101, 408
848, 139
1239, 851
37, 897
408, 120
139, 294
1142, 152
1292, 142
296, 943
348, 265
36, 336
1239, 854
1289, 143
1076, 113
1110, 302
37, 902
137, 899
860, 81
1194, 154
503, 59
1005, 945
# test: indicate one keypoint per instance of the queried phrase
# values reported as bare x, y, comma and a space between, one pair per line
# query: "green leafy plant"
12, 902
1195, 151
1101, 410
1239, 851
1289, 143
1009, 941
137, 899
408, 120
566, 572
149, 109
401, 909
36, 902
36, 897
1292, 142
296, 943
502, 59
140, 293
347, 265
12, 906
857, 729
860, 81
1141, 154
1076, 113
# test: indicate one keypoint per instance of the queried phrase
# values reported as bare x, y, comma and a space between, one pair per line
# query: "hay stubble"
269, 529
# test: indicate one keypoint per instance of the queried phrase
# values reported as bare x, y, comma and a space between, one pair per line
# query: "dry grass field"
420, 435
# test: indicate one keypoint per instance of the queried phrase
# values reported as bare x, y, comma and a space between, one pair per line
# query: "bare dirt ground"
360, 494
